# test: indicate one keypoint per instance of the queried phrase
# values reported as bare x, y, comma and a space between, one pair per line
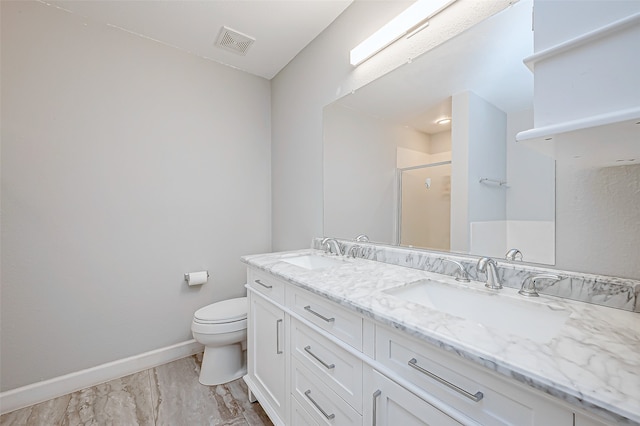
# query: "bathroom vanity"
346, 341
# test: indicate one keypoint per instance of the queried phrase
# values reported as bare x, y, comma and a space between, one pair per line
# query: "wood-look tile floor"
166, 395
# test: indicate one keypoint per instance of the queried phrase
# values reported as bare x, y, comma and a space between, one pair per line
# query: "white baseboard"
58, 386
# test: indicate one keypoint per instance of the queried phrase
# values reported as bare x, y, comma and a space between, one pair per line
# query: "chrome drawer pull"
324, 413
474, 397
327, 366
376, 394
278, 351
308, 308
262, 284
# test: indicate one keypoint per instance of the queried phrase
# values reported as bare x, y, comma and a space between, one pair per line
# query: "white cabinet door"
393, 405
266, 356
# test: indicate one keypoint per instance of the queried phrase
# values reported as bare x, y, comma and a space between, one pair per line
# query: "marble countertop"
593, 361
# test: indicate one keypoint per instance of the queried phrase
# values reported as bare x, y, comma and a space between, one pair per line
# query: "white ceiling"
281, 28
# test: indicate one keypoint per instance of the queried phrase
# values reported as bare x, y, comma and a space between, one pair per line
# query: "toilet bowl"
222, 328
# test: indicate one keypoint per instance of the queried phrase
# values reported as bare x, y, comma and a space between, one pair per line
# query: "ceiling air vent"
234, 41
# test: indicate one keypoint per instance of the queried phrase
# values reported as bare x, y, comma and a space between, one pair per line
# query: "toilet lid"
225, 311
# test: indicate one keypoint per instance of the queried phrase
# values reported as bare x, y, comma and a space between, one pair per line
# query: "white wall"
125, 163
320, 74
478, 147
598, 220
531, 176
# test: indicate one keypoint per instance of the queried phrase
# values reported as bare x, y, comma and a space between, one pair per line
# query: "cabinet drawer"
327, 315
322, 404
457, 383
394, 405
266, 284
337, 368
300, 416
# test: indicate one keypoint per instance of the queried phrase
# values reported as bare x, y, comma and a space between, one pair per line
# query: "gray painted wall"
125, 163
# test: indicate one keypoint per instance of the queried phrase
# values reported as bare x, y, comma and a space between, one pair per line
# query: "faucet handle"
513, 254
529, 284
461, 274
354, 251
362, 238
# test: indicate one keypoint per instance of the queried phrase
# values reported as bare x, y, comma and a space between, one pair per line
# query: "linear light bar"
415, 15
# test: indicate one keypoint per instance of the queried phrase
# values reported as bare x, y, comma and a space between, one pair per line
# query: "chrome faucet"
529, 284
362, 238
488, 266
461, 273
328, 242
513, 254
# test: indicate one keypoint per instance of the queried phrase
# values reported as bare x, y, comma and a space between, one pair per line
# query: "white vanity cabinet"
266, 350
314, 362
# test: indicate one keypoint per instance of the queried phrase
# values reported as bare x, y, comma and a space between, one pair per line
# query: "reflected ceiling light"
414, 16
443, 121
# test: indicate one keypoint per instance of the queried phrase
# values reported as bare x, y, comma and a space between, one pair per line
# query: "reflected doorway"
424, 205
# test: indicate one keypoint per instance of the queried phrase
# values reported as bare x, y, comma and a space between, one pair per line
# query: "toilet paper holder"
196, 278
186, 275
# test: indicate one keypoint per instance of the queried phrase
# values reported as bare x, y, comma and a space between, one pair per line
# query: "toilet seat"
226, 316
224, 312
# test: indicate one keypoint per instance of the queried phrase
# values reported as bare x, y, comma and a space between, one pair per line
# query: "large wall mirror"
397, 170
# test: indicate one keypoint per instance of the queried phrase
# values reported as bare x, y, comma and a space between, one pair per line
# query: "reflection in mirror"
425, 206
393, 172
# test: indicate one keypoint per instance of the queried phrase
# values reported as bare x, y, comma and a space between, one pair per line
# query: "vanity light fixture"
412, 18
443, 121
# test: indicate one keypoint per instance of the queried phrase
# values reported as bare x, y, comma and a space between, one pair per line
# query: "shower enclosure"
424, 206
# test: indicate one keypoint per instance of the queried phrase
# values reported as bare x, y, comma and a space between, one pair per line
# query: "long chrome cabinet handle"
376, 394
324, 413
308, 308
278, 351
474, 397
262, 284
327, 366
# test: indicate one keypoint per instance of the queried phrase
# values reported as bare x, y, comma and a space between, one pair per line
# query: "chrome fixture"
500, 183
529, 284
461, 273
362, 238
513, 254
475, 397
319, 315
328, 242
488, 266
354, 251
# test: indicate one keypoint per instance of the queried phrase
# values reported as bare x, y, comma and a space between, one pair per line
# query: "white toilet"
222, 328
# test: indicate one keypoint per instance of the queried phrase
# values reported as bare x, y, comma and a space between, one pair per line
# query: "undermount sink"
536, 321
314, 261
